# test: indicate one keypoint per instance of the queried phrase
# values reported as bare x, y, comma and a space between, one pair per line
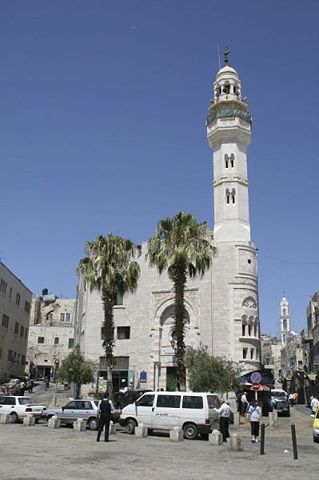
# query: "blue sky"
102, 128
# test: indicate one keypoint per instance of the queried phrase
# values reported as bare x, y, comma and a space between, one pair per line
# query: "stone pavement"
38, 453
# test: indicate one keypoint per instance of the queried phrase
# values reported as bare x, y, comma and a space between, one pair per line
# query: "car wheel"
92, 423
190, 431
13, 417
130, 426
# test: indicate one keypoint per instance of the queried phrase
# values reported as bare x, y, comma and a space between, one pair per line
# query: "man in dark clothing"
105, 409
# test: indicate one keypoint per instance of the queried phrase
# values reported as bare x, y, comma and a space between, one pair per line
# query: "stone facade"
222, 307
51, 333
15, 304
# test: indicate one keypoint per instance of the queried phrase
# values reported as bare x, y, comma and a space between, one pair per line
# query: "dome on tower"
226, 70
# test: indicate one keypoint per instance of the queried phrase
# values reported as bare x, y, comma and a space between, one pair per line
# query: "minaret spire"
226, 53
229, 134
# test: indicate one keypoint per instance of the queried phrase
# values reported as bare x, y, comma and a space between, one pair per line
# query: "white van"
192, 411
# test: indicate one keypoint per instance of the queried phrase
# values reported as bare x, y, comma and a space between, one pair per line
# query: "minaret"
229, 134
285, 327
235, 317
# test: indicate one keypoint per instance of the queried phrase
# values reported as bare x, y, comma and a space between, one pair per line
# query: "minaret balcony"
251, 340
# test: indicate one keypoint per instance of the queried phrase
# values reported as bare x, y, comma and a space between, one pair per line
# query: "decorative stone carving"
249, 302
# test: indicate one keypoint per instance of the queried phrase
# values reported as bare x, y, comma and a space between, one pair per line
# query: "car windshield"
279, 395
25, 401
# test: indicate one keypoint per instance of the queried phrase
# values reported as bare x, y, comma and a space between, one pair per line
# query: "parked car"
315, 426
19, 407
192, 411
280, 401
86, 409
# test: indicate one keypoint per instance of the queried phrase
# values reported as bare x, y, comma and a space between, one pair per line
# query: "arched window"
226, 88
227, 196
226, 161
233, 195
232, 160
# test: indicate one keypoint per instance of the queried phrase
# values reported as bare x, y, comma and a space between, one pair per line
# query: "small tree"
207, 373
75, 369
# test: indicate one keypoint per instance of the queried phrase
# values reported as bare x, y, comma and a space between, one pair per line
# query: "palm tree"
109, 267
184, 248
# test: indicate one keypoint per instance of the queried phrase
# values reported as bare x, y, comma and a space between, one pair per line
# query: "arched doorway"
167, 346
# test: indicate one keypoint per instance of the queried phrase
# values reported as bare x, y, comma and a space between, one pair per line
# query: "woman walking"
255, 413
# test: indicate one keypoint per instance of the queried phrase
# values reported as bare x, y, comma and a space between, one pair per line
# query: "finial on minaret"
226, 53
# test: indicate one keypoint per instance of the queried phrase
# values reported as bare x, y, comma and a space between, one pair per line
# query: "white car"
19, 407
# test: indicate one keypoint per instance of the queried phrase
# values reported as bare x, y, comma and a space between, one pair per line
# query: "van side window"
213, 401
192, 402
146, 401
168, 401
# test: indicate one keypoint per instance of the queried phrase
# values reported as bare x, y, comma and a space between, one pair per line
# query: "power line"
295, 262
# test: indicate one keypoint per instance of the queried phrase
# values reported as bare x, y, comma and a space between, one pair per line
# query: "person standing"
314, 404
255, 413
104, 409
224, 418
244, 403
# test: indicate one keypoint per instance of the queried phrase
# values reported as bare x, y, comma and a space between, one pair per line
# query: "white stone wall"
13, 300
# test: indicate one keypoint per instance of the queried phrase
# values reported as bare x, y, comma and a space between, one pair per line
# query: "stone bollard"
215, 438
4, 418
275, 418
271, 419
235, 442
29, 420
176, 435
79, 424
54, 422
141, 431
236, 417
112, 429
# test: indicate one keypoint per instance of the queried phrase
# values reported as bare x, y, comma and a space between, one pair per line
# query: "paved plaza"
40, 453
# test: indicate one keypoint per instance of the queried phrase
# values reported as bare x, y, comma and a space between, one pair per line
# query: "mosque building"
222, 306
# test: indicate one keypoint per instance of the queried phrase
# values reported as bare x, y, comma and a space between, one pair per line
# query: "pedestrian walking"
255, 414
224, 418
105, 409
46, 383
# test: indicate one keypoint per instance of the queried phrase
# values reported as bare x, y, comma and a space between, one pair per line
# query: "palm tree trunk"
108, 336
178, 276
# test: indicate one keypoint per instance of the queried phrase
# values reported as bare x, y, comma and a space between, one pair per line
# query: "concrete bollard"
275, 418
176, 435
29, 420
112, 429
141, 431
215, 438
270, 419
79, 424
236, 417
4, 418
235, 442
54, 422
